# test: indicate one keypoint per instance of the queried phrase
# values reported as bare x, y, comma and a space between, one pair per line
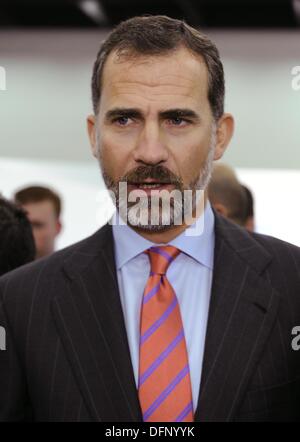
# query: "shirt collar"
128, 243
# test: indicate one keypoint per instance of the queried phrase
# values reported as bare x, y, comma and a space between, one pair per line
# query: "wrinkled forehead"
177, 73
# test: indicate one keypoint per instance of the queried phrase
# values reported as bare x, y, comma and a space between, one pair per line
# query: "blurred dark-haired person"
156, 319
249, 223
43, 208
227, 195
16, 239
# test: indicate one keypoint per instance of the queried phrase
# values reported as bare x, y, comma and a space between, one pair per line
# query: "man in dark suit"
180, 317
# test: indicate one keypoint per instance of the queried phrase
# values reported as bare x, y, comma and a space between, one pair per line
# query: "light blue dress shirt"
190, 274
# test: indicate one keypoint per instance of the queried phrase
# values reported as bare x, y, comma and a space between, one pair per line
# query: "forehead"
178, 77
40, 209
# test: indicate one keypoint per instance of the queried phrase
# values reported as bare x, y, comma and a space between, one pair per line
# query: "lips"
149, 181
150, 186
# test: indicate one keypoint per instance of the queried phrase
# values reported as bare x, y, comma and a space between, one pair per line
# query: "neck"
167, 235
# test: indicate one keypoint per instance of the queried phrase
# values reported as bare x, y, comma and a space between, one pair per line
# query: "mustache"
159, 173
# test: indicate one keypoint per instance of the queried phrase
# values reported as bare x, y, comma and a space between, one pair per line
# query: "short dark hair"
37, 194
250, 202
158, 35
16, 239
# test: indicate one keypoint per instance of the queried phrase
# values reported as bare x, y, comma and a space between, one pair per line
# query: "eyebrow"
180, 113
167, 114
123, 112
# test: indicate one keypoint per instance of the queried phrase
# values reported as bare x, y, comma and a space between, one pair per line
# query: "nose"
150, 148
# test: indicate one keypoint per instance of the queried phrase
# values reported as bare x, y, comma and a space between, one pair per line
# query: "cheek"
190, 156
52, 229
114, 154
39, 237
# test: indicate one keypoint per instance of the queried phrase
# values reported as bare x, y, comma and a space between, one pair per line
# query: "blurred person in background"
227, 195
43, 208
16, 239
250, 220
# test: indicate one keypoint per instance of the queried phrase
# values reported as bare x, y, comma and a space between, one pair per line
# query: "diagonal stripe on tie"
158, 322
158, 342
152, 292
162, 253
165, 393
160, 358
184, 412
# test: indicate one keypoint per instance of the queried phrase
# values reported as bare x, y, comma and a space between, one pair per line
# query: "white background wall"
43, 134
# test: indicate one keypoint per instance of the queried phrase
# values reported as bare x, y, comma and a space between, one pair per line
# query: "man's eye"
122, 121
178, 121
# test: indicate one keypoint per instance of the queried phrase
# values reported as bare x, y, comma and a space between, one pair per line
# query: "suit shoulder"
276, 260
46, 269
278, 247
284, 269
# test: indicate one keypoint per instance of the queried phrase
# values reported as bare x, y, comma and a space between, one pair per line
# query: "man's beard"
158, 214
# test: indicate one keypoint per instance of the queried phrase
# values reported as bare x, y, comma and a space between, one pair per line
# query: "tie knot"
161, 257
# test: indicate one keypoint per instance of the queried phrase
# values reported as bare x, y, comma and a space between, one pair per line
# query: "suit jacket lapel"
242, 311
90, 322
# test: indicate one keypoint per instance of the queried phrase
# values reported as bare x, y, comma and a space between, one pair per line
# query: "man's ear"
225, 128
221, 209
58, 227
91, 127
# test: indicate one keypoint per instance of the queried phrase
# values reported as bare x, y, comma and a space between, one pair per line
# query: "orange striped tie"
164, 377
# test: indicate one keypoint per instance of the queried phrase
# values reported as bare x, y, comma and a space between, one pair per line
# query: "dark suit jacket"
67, 356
